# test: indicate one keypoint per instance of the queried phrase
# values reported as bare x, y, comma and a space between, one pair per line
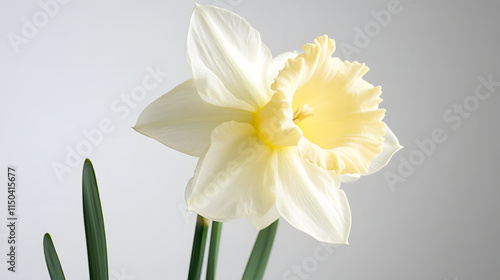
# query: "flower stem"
198, 252
214, 249
257, 262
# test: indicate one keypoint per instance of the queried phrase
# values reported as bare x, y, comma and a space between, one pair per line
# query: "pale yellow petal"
231, 179
228, 60
389, 148
277, 64
263, 221
309, 198
181, 120
349, 178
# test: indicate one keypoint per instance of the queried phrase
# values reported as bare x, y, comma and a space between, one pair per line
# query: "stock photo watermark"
121, 275
121, 108
48, 9
454, 118
12, 224
364, 35
227, 4
310, 264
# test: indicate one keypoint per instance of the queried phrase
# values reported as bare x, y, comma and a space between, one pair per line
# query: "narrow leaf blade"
51, 259
94, 225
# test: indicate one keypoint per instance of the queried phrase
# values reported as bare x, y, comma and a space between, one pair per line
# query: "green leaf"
94, 225
257, 262
198, 252
213, 252
53, 265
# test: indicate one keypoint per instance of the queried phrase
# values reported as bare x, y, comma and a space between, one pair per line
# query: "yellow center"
302, 113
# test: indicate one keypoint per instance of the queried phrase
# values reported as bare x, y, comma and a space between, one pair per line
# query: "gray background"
438, 221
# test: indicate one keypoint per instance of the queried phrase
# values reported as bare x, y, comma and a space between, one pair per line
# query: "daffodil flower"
275, 136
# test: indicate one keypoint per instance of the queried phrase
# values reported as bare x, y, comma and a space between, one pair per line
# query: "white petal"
261, 222
389, 148
278, 64
308, 198
231, 179
228, 60
349, 178
182, 121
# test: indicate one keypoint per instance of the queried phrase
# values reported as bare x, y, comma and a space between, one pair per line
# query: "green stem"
198, 252
214, 249
257, 262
